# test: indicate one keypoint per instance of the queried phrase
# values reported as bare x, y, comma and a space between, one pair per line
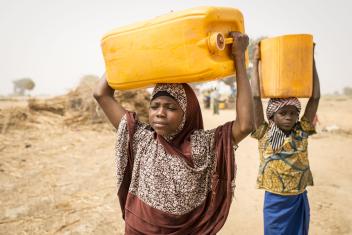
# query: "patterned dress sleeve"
307, 126
122, 140
260, 131
121, 149
202, 145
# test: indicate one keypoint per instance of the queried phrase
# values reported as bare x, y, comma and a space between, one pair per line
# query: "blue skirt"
286, 215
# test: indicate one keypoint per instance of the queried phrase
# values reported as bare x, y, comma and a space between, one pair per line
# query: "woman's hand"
104, 95
240, 44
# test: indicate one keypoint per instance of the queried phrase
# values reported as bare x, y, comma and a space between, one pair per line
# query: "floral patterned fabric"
163, 181
286, 171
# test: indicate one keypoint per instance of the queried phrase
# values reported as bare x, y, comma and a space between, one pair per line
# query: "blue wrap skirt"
286, 215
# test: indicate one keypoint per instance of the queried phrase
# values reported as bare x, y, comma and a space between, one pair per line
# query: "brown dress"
181, 185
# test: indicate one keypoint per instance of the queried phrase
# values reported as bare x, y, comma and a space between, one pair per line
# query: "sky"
56, 42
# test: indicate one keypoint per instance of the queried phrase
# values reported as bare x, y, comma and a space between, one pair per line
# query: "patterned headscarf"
277, 103
276, 135
177, 92
179, 142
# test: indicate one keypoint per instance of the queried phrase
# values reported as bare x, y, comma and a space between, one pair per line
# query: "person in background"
215, 96
206, 99
284, 171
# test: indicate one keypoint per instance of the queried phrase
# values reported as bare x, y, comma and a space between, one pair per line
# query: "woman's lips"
159, 124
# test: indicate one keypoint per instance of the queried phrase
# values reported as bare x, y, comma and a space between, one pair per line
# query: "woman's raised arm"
104, 95
244, 123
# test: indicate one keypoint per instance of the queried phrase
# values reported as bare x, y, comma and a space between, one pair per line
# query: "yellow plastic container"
186, 46
222, 105
287, 66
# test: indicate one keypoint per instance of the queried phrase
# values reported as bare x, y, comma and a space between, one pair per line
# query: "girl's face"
286, 117
165, 115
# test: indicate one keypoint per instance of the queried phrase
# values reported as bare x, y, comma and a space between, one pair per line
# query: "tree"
347, 91
21, 85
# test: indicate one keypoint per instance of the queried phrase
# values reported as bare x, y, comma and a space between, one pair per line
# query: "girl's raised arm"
313, 102
255, 84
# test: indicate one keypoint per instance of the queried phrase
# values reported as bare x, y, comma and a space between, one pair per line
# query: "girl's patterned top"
285, 171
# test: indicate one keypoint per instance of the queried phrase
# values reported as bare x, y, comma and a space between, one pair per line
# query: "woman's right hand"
102, 88
104, 95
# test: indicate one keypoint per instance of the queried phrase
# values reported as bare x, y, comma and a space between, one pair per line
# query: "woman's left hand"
240, 43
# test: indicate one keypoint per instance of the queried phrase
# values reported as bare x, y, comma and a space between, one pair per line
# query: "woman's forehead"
177, 91
164, 100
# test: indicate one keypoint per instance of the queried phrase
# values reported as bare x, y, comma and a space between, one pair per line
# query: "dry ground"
60, 180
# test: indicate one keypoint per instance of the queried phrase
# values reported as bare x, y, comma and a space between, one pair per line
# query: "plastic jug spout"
217, 42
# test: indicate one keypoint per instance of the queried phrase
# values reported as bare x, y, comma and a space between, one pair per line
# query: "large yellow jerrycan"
287, 66
186, 46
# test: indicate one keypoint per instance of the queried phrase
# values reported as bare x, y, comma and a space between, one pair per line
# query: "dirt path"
59, 180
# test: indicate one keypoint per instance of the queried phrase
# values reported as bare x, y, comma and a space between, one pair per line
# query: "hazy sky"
57, 42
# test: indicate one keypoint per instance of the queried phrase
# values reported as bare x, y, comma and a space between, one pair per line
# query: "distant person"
206, 99
215, 96
284, 171
174, 177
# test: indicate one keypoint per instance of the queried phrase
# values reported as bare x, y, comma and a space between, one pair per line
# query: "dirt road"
60, 180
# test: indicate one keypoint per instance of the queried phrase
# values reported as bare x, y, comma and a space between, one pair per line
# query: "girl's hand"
240, 44
256, 54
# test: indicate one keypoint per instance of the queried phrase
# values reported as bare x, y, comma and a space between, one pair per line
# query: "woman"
173, 176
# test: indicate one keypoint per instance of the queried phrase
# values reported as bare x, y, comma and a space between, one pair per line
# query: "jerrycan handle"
217, 42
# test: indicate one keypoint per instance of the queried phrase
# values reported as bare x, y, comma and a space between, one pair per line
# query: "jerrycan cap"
217, 42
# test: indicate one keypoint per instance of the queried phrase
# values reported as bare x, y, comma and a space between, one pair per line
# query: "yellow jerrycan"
186, 46
287, 66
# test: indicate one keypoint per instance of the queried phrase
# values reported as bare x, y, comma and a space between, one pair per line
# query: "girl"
173, 176
284, 169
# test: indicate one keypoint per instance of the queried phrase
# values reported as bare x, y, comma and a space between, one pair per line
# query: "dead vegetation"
75, 109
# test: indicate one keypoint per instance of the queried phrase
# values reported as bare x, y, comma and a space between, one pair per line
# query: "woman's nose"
160, 112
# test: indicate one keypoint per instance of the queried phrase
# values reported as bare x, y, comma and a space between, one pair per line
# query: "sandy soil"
60, 180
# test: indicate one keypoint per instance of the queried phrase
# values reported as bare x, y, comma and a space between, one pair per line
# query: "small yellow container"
287, 66
222, 105
186, 46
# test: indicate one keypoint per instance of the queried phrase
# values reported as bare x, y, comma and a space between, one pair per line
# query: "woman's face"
286, 117
165, 115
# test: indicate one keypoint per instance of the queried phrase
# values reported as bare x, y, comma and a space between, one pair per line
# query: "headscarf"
210, 216
275, 135
277, 103
179, 143
176, 92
